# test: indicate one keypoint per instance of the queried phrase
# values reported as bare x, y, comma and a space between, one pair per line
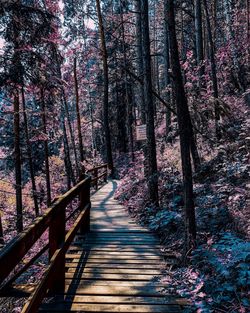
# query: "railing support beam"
56, 241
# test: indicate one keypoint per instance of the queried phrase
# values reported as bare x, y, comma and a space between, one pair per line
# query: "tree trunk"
46, 149
140, 68
64, 110
29, 153
166, 67
1, 230
106, 90
152, 174
67, 159
78, 113
71, 133
18, 163
248, 26
231, 39
94, 148
199, 38
213, 72
128, 89
184, 129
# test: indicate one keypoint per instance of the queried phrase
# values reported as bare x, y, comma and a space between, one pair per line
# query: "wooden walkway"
115, 267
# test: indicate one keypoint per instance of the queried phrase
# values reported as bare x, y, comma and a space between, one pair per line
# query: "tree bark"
106, 90
152, 174
199, 38
231, 38
71, 133
18, 163
46, 148
167, 67
29, 153
1, 230
213, 72
80, 142
140, 67
128, 90
184, 128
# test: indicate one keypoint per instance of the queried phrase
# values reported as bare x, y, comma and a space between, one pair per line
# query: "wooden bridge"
99, 259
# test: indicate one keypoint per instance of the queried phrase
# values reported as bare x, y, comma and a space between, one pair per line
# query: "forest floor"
217, 277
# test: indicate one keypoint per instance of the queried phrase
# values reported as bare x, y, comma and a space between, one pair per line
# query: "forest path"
115, 267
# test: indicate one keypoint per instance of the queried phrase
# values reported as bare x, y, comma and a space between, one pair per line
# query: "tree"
166, 65
78, 112
213, 72
106, 89
29, 153
139, 63
151, 172
46, 146
199, 37
183, 117
18, 163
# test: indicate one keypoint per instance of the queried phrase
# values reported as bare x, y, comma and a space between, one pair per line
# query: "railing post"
106, 173
56, 240
96, 176
84, 200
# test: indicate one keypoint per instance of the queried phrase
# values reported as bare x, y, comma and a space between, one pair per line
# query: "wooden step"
113, 308
110, 276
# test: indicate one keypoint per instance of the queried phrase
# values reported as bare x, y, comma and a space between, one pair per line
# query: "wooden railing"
98, 173
54, 220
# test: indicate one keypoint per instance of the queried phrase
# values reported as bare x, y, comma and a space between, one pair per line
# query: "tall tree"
152, 174
78, 112
213, 71
106, 89
18, 163
29, 153
166, 66
139, 62
46, 146
199, 37
184, 129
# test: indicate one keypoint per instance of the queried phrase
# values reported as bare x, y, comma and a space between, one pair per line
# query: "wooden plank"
119, 249
118, 266
128, 234
116, 229
161, 299
113, 283
124, 251
114, 290
122, 245
116, 271
109, 276
91, 256
114, 308
110, 256
122, 241
114, 262
122, 235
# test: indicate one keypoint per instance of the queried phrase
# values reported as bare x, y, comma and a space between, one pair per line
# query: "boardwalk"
115, 268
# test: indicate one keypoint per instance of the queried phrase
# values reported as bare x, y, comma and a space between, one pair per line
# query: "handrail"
96, 177
13, 252
54, 219
98, 167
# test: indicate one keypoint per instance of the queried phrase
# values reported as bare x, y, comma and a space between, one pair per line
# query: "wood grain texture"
116, 267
